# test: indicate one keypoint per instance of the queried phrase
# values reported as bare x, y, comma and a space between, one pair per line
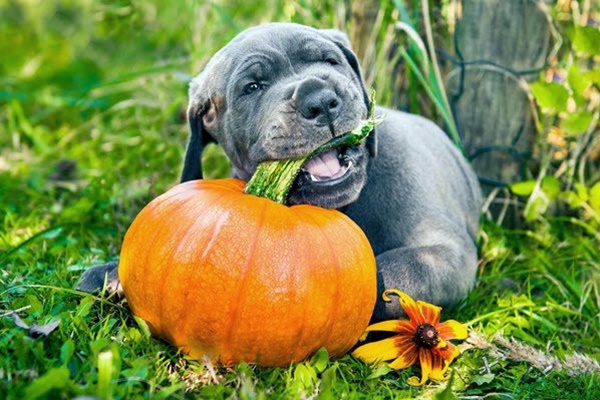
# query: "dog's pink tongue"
325, 165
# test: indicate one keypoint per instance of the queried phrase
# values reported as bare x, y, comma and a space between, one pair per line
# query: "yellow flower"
422, 338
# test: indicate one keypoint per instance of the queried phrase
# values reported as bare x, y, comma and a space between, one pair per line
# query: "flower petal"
408, 304
430, 312
452, 329
414, 381
438, 368
449, 353
394, 325
441, 343
407, 358
381, 350
425, 359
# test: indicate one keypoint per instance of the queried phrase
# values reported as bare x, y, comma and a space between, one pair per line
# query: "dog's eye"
331, 61
251, 87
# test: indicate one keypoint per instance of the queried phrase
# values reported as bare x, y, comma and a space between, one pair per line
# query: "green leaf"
99, 344
143, 326
140, 369
582, 191
446, 393
327, 383
320, 360
515, 301
577, 81
571, 199
551, 186
52, 233
482, 379
587, 40
595, 197
593, 76
84, 307
104, 363
519, 321
55, 378
577, 123
37, 308
576, 198
551, 96
536, 208
524, 188
305, 375
381, 370
134, 335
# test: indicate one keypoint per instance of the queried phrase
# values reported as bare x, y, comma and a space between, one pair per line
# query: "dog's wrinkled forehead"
297, 44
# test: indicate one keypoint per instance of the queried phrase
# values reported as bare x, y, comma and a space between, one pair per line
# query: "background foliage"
92, 100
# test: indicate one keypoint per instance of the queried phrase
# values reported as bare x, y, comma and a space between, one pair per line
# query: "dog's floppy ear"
192, 164
342, 41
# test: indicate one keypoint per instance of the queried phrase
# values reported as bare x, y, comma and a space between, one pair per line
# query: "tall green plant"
422, 63
568, 98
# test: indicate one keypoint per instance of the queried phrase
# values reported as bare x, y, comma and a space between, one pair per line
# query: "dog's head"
279, 91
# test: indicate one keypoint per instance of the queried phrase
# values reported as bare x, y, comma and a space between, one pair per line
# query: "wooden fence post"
500, 45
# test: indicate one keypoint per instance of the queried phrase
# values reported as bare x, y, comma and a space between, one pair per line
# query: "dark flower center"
426, 336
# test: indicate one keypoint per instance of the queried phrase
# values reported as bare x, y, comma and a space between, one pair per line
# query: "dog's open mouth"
328, 166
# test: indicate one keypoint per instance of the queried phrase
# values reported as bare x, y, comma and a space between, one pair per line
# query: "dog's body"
420, 210
279, 91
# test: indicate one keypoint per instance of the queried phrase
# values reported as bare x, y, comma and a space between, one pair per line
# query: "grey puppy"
280, 90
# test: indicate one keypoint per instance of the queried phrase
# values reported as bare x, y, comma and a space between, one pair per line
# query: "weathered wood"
512, 33
502, 44
494, 115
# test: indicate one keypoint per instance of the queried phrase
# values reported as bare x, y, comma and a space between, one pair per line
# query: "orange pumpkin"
240, 277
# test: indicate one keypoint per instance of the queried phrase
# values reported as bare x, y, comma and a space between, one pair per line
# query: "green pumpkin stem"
274, 179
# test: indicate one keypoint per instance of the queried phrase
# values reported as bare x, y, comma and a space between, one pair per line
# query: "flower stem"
274, 179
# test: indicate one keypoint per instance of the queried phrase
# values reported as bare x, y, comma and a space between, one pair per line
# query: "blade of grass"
438, 81
445, 113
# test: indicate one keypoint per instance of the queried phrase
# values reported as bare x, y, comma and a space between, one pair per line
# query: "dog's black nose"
316, 101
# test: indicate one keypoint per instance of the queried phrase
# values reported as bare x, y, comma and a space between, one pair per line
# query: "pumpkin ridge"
313, 222
229, 185
217, 227
295, 351
234, 312
166, 203
178, 245
337, 269
205, 204
351, 224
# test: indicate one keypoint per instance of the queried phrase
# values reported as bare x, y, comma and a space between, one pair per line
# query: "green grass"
104, 84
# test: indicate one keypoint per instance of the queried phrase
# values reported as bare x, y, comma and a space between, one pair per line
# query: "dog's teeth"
339, 174
325, 165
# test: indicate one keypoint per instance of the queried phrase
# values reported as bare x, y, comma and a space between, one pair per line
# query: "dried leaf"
19, 322
36, 331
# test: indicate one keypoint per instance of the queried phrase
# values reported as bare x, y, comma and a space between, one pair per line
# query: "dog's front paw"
441, 274
101, 279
